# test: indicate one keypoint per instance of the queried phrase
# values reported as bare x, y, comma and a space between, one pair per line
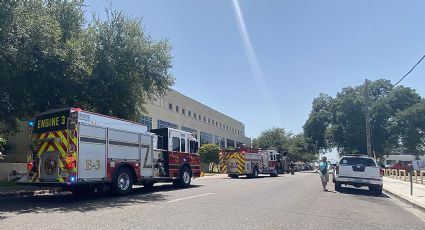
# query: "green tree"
296, 146
2, 148
275, 138
37, 67
341, 123
409, 125
128, 66
300, 150
318, 122
209, 154
50, 58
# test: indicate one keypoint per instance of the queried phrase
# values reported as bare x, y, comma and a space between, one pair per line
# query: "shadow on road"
360, 192
66, 202
246, 178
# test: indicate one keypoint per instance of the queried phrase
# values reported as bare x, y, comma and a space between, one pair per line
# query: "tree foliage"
209, 153
51, 58
297, 148
340, 123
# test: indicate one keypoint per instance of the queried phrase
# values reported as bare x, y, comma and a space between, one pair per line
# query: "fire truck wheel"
184, 178
255, 172
275, 173
123, 182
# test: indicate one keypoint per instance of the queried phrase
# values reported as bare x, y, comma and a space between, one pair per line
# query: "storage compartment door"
92, 153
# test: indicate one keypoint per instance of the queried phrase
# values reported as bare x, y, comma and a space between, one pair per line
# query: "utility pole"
368, 140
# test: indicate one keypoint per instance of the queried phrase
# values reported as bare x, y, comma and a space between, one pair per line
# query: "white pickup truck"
358, 171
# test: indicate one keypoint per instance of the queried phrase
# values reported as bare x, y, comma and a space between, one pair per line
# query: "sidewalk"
401, 190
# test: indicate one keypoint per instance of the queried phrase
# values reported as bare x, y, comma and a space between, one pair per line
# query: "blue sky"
296, 50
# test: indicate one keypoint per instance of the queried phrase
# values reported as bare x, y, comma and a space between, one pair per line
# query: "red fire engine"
249, 162
81, 151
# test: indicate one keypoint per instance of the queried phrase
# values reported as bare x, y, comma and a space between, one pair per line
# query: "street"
216, 202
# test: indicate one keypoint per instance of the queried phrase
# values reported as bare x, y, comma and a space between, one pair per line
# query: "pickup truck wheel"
122, 183
337, 186
377, 190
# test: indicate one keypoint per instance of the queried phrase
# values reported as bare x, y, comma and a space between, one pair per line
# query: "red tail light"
337, 169
29, 166
70, 162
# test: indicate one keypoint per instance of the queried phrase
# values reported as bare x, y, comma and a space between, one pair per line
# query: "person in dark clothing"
292, 167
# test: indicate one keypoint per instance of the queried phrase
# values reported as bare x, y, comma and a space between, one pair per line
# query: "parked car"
358, 171
402, 165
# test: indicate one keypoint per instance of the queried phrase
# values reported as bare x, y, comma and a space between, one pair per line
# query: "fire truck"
249, 161
82, 151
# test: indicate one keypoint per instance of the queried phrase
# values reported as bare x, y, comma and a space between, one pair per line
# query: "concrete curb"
404, 200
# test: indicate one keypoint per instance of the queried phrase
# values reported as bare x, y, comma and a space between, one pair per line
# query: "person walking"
292, 167
324, 172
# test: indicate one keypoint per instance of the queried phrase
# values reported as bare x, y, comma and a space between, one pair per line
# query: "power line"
417, 63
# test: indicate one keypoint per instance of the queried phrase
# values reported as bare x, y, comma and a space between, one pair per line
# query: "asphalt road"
216, 202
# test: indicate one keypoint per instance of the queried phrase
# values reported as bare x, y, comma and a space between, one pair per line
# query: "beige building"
178, 111
173, 110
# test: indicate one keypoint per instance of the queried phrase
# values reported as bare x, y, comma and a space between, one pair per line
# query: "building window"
199, 116
208, 120
177, 108
190, 130
146, 121
205, 120
184, 112
189, 113
239, 144
205, 138
170, 106
216, 123
220, 141
230, 144
166, 124
213, 122
194, 115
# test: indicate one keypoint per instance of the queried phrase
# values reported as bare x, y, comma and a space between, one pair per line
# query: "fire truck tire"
255, 172
233, 175
184, 178
122, 183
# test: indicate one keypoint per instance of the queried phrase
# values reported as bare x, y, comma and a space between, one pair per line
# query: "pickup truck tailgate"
360, 171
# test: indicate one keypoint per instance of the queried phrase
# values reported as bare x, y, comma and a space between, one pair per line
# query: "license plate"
357, 180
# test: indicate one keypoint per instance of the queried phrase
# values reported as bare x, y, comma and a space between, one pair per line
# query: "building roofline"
170, 89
